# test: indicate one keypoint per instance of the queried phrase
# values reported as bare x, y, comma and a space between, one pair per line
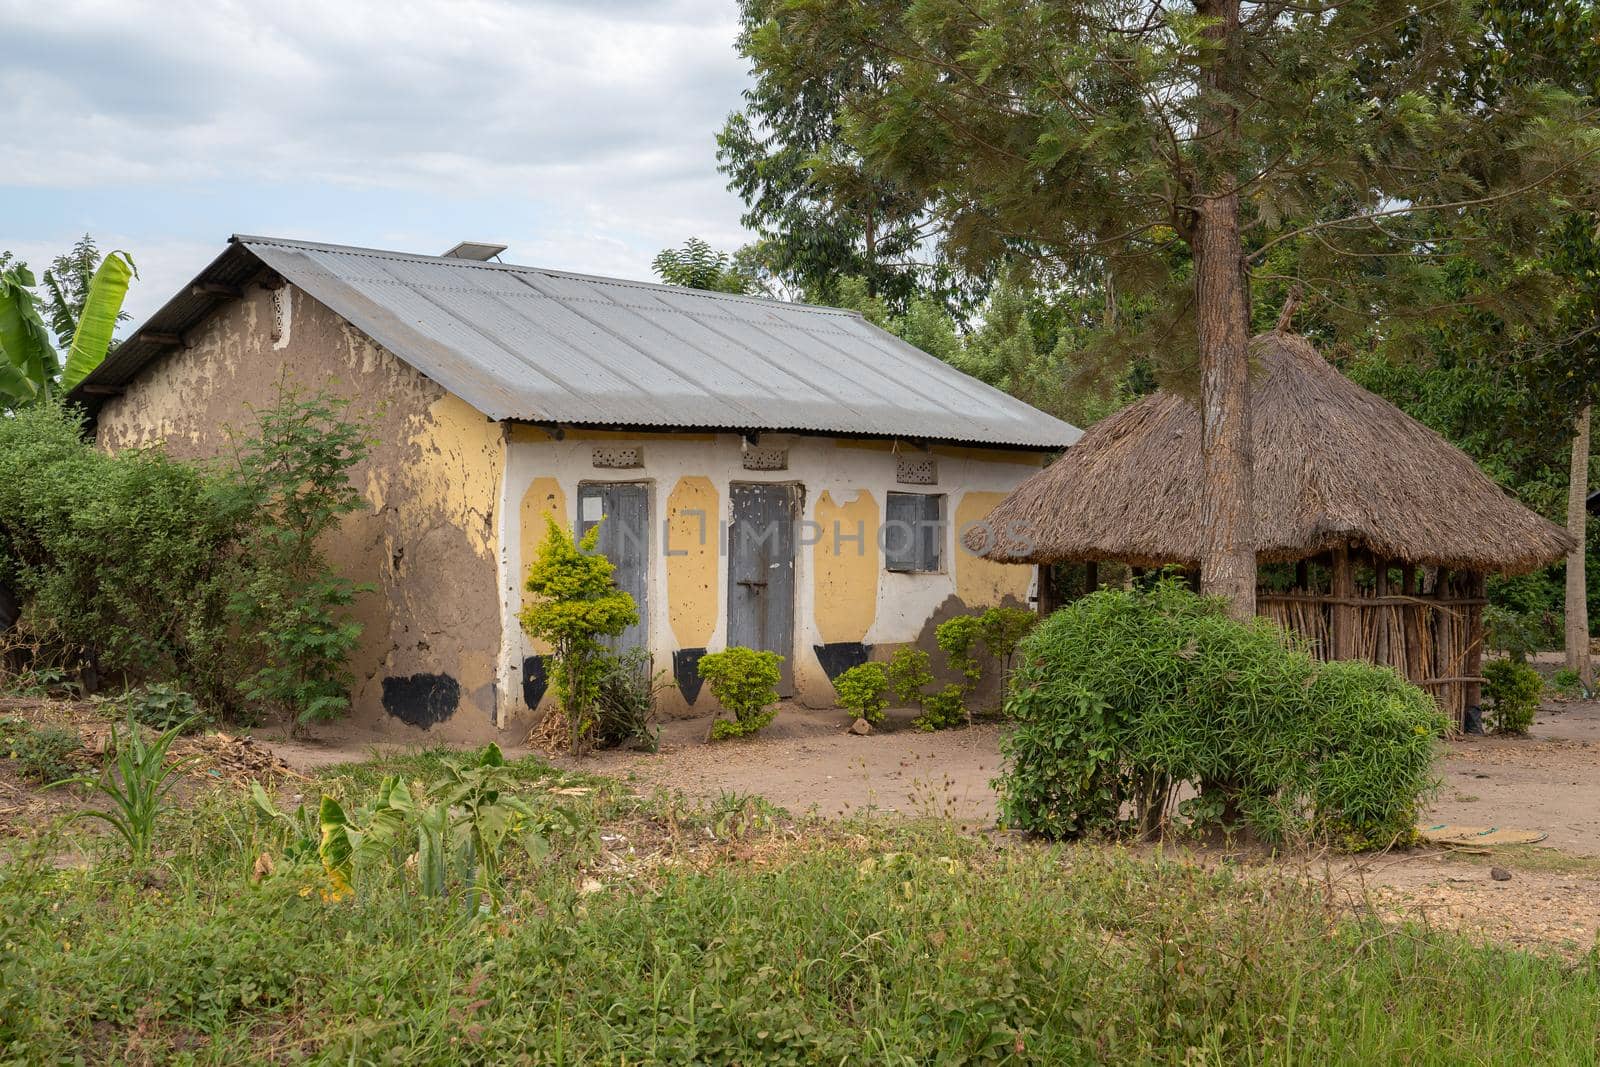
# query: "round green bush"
745, 682
864, 691
1125, 697
1513, 690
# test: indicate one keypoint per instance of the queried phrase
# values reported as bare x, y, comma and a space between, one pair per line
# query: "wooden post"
1344, 614
1091, 576
1302, 576
1477, 589
1381, 612
1048, 600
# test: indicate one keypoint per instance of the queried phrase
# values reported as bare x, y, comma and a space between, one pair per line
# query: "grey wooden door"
761, 531
625, 541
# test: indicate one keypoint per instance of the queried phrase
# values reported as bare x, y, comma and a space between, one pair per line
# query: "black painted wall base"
841, 656
421, 699
535, 680
686, 672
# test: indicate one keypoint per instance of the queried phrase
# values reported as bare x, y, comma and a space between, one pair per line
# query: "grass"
725, 932
1524, 858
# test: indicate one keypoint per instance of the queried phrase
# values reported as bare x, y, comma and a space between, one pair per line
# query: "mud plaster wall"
431, 629
843, 595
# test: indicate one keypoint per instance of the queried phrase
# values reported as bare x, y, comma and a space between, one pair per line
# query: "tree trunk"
1577, 576
1222, 317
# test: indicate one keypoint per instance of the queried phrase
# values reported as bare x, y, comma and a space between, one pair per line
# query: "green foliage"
863, 690
745, 682
292, 477
1062, 136
43, 754
85, 304
625, 702
453, 835
698, 266
957, 637
136, 779
1125, 695
943, 710
950, 950
576, 604
162, 706
1519, 634
909, 674
1513, 690
1568, 683
217, 583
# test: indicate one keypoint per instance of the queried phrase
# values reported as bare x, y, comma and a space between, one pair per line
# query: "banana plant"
29, 367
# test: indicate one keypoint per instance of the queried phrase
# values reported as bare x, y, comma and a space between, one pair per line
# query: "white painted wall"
905, 601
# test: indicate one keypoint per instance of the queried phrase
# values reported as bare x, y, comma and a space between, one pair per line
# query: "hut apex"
1391, 527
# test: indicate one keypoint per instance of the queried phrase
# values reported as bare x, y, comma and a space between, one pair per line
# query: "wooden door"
625, 541
761, 540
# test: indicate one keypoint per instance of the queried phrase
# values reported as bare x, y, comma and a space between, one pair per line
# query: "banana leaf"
98, 322
24, 340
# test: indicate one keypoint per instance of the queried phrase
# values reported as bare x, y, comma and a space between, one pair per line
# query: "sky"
581, 134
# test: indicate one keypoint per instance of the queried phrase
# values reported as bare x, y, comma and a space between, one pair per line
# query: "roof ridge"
528, 268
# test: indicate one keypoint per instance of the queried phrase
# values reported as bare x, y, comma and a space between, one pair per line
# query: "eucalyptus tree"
1193, 149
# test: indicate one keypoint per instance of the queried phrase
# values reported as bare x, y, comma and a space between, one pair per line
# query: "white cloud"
586, 126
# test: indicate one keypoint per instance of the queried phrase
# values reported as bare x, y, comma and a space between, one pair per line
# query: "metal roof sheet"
549, 346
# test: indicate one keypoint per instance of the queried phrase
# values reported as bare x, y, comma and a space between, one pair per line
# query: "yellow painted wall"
692, 543
980, 582
462, 462
542, 497
845, 570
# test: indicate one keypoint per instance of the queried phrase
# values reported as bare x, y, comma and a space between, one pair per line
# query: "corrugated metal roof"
554, 347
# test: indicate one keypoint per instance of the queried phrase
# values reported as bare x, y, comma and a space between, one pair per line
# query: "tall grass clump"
1125, 698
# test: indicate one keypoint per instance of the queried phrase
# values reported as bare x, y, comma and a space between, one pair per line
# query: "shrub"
1519, 633
625, 701
1513, 690
575, 605
162, 706
1002, 629
43, 754
864, 691
943, 709
215, 581
746, 683
909, 675
1124, 696
957, 638
1568, 683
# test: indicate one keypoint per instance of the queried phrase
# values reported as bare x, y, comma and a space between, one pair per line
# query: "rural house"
772, 475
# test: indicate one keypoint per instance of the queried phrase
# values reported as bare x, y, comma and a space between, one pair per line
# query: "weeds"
43, 754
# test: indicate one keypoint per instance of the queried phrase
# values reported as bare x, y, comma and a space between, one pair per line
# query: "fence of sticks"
1425, 622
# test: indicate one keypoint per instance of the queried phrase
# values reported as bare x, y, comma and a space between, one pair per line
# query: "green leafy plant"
1520, 633
909, 675
162, 706
1123, 698
452, 835
1513, 690
293, 477
944, 709
136, 778
863, 690
29, 368
1568, 683
43, 754
1001, 629
575, 605
958, 639
745, 682
217, 585
625, 701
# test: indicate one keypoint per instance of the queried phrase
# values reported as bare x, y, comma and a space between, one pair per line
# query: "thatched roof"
1333, 464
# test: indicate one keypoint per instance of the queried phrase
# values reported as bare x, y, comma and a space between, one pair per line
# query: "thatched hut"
1390, 528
